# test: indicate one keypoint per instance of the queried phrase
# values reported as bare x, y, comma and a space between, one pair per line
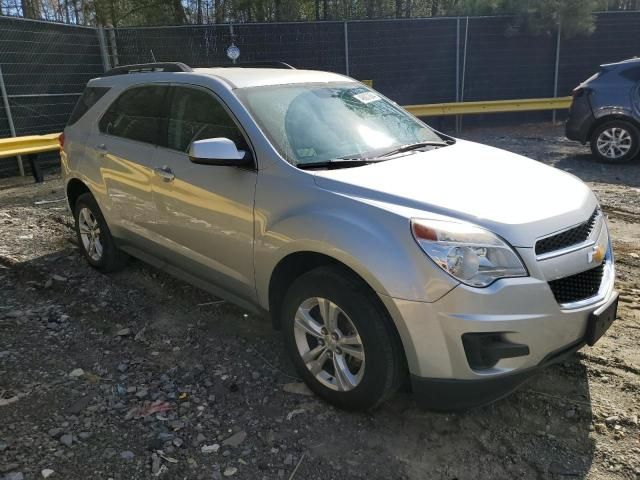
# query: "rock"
255, 375
84, 435
123, 367
3, 446
230, 471
127, 455
55, 433
288, 460
570, 413
79, 405
155, 464
59, 278
199, 439
76, 373
14, 476
142, 393
235, 439
600, 428
298, 388
9, 467
123, 332
210, 448
66, 439
178, 442
46, 473
612, 419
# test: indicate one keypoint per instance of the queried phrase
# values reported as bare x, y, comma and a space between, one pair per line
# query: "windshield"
310, 123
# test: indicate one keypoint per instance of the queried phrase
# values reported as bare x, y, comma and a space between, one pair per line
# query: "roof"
629, 61
256, 77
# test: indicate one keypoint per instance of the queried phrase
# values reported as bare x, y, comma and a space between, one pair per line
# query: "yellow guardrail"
33, 144
14, 146
494, 106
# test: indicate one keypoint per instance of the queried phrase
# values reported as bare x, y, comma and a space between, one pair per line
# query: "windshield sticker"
367, 97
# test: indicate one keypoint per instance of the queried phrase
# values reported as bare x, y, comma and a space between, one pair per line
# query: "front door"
205, 212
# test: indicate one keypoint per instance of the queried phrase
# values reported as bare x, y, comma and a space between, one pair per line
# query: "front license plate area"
600, 321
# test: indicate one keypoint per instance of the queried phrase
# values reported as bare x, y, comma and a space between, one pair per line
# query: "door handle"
102, 149
165, 173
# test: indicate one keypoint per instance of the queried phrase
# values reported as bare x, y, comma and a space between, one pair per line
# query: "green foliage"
537, 16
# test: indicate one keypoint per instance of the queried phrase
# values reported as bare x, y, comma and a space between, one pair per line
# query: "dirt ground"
224, 392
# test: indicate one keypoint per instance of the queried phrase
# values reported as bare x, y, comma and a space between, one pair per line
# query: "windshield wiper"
412, 146
338, 163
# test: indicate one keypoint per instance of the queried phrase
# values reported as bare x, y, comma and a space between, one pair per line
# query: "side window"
138, 114
89, 98
195, 115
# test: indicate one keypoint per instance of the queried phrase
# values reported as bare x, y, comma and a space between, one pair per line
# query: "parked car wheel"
616, 141
94, 237
341, 339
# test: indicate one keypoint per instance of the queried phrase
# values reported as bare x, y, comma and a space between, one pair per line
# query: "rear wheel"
616, 141
94, 236
341, 339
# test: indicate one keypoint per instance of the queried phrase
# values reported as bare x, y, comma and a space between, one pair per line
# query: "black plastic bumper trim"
443, 394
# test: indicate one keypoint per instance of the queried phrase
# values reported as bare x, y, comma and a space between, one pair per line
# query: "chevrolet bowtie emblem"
596, 255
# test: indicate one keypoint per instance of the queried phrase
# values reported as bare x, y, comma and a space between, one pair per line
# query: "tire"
107, 258
359, 315
616, 141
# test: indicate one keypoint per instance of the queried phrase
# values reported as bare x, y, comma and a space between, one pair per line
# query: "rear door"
205, 212
125, 142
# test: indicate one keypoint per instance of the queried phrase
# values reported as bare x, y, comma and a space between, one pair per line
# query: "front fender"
376, 244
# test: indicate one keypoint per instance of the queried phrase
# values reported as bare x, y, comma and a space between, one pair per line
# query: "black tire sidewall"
382, 358
110, 256
635, 139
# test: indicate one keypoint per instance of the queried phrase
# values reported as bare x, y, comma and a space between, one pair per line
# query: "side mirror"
218, 151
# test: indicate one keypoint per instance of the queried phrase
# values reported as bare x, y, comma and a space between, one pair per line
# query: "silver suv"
389, 254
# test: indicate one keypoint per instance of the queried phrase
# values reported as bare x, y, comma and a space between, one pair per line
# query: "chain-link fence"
415, 61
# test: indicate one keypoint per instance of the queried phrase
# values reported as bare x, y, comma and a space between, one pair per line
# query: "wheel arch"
610, 116
75, 188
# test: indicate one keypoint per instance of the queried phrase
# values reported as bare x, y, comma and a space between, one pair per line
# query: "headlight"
470, 254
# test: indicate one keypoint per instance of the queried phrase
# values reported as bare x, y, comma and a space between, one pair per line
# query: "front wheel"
616, 141
341, 339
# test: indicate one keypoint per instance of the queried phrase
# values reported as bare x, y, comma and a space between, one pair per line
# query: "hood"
518, 198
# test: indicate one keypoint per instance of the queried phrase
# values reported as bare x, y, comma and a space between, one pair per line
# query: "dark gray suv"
606, 112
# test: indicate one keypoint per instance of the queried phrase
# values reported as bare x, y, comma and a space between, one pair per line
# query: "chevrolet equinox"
388, 253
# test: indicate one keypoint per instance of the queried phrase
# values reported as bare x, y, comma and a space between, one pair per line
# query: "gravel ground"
136, 375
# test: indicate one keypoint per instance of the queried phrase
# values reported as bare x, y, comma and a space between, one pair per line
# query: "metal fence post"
7, 109
346, 48
457, 128
464, 65
555, 75
104, 52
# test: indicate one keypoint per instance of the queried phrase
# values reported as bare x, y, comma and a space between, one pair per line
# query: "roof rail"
149, 67
261, 64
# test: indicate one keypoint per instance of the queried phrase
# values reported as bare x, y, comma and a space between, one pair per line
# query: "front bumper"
523, 311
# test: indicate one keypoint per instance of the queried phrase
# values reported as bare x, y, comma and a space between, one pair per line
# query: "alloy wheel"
329, 344
90, 234
614, 143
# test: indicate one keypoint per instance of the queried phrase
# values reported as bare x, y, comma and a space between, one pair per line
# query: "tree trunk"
407, 8
199, 12
219, 14
398, 8
317, 2
324, 10
179, 14
434, 7
370, 7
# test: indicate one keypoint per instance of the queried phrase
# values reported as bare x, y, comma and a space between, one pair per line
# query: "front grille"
570, 237
577, 287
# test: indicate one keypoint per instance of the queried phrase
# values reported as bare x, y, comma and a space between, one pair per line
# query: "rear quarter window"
89, 98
